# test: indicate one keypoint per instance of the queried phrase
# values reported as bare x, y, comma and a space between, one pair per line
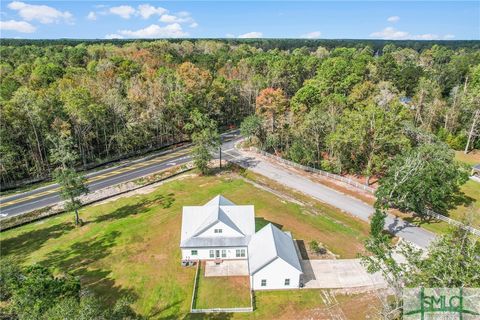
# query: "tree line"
343, 109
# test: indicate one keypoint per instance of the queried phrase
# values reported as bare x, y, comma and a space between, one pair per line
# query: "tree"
205, 138
427, 177
366, 139
72, 186
35, 293
251, 127
452, 262
272, 106
72, 183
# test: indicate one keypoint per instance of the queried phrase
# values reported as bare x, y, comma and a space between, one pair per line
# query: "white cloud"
311, 35
168, 18
230, 35
390, 33
146, 10
393, 19
114, 36
123, 11
19, 26
180, 17
41, 13
426, 36
253, 34
394, 34
173, 30
92, 16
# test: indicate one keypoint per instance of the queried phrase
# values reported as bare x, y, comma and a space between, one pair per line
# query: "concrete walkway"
336, 274
353, 206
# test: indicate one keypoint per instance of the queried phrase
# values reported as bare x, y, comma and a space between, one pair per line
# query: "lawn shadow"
21, 246
156, 311
77, 260
142, 206
261, 222
209, 316
456, 200
302, 249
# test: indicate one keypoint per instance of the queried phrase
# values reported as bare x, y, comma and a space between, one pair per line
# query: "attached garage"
273, 260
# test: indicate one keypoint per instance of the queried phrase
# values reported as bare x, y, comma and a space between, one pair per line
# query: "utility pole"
220, 152
473, 130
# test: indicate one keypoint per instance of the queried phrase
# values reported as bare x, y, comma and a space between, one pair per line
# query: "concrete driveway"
226, 268
342, 273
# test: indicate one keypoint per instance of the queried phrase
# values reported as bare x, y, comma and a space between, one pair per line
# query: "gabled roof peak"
219, 200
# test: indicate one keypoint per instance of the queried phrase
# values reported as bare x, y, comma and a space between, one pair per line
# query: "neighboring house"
221, 230
476, 170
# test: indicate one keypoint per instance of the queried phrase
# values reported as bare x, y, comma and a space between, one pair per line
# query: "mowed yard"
130, 246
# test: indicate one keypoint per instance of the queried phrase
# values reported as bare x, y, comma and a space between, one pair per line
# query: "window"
240, 253
224, 253
218, 231
264, 283
212, 254
194, 252
287, 282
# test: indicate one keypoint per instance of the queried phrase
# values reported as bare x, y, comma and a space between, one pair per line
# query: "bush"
316, 248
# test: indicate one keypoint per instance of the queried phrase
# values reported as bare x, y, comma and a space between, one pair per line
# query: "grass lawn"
471, 158
221, 292
130, 246
471, 189
469, 205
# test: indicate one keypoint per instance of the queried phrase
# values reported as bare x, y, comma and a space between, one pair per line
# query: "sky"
398, 20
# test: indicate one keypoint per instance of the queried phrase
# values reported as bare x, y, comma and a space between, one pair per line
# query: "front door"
217, 253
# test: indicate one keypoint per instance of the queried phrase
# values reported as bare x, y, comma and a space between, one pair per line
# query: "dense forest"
343, 108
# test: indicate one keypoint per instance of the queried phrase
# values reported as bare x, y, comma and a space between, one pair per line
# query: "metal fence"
360, 186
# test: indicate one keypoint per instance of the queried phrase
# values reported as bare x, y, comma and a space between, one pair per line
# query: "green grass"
221, 292
468, 205
130, 246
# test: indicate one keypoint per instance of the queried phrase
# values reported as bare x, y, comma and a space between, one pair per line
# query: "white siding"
204, 253
275, 274
226, 231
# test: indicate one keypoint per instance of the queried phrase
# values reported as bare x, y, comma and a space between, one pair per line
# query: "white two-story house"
221, 230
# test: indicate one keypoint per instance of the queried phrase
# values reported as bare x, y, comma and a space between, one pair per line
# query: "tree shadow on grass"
142, 206
77, 260
21, 246
456, 200
261, 222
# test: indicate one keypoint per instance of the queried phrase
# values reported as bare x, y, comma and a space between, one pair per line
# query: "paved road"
355, 207
48, 195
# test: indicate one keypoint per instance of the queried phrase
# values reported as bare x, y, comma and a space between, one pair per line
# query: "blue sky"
427, 20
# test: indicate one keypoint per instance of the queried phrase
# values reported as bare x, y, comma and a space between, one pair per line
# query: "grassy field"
130, 246
471, 158
221, 292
